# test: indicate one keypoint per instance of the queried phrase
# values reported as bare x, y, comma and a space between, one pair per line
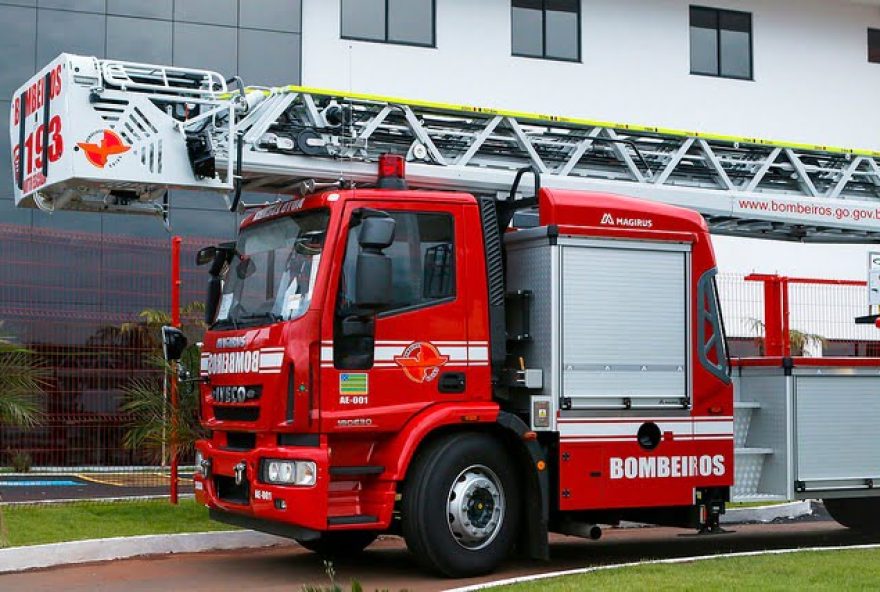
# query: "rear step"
356, 470
359, 519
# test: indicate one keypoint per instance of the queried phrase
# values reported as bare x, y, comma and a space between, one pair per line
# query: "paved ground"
85, 486
387, 565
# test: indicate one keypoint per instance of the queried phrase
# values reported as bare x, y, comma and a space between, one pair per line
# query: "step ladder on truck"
466, 326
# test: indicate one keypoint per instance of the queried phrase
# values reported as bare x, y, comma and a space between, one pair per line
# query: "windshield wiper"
224, 324
259, 316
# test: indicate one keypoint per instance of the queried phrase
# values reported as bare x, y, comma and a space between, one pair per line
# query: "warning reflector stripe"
460, 353
626, 430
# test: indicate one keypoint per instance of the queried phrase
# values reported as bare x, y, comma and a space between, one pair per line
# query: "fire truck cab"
386, 360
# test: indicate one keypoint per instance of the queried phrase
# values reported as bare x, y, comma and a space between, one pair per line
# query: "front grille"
313, 440
236, 413
241, 441
228, 491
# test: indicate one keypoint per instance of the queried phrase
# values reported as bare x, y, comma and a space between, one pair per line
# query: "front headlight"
290, 472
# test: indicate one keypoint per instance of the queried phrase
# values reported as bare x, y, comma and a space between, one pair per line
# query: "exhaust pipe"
581, 529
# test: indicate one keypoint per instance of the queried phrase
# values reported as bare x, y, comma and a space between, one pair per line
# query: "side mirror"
218, 257
206, 255
373, 281
173, 343
376, 233
373, 272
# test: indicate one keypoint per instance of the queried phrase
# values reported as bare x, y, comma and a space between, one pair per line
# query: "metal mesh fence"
742, 304
75, 300
822, 317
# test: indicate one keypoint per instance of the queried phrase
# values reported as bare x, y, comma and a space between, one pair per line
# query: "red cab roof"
606, 210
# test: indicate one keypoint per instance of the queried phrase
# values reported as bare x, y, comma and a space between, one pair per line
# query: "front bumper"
286, 510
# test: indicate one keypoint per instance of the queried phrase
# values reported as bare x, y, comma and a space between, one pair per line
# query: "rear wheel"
862, 514
461, 505
340, 543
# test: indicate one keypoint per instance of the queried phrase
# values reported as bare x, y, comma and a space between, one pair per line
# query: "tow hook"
240, 471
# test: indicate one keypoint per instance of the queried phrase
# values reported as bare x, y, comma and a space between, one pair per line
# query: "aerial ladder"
117, 136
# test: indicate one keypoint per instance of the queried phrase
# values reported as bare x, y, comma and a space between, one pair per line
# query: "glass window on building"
874, 46
549, 29
721, 43
408, 22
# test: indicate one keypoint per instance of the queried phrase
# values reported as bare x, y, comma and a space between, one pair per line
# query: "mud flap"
533, 540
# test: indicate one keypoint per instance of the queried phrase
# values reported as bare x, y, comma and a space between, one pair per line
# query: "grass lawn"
54, 523
819, 570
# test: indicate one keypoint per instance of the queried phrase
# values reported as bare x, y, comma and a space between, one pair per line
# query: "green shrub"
20, 461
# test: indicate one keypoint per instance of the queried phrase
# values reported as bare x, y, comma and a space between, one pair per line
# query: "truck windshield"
272, 274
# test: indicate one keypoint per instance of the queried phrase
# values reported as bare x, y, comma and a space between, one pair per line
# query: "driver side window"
422, 262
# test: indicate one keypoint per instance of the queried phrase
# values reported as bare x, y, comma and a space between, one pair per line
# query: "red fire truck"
386, 360
469, 372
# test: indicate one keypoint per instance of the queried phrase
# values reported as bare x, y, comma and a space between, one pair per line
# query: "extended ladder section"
132, 131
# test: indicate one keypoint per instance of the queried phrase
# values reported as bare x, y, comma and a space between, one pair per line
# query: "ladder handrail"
560, 119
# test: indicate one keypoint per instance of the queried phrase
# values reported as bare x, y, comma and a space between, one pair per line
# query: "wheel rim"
475, 507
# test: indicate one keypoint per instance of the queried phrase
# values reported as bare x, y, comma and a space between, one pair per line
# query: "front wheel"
341, 543
461, 505
861, 513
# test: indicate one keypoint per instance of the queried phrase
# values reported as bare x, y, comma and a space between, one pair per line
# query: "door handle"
451, 382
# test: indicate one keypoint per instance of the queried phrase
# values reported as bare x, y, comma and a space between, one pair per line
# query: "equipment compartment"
610, 319
809, 431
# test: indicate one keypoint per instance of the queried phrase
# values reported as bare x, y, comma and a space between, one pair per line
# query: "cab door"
383, 368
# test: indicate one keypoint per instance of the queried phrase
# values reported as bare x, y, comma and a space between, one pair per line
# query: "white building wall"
812, 84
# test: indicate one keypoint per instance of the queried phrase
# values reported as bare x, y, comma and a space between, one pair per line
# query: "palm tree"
798, 340
22, 381
155, 425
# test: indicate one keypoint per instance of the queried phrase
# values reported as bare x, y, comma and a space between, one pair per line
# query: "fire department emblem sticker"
103, 148
421, 361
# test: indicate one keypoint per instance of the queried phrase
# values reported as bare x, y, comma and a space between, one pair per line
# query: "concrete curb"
767, 513
40, 556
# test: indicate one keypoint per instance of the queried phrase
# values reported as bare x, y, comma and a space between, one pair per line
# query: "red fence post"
786, 329
776, 330
175, 321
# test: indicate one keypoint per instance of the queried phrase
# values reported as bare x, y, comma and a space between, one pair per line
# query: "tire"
460, 510
861, 514
342, 543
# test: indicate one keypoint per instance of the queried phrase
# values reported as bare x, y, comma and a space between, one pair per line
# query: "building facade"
796, 70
